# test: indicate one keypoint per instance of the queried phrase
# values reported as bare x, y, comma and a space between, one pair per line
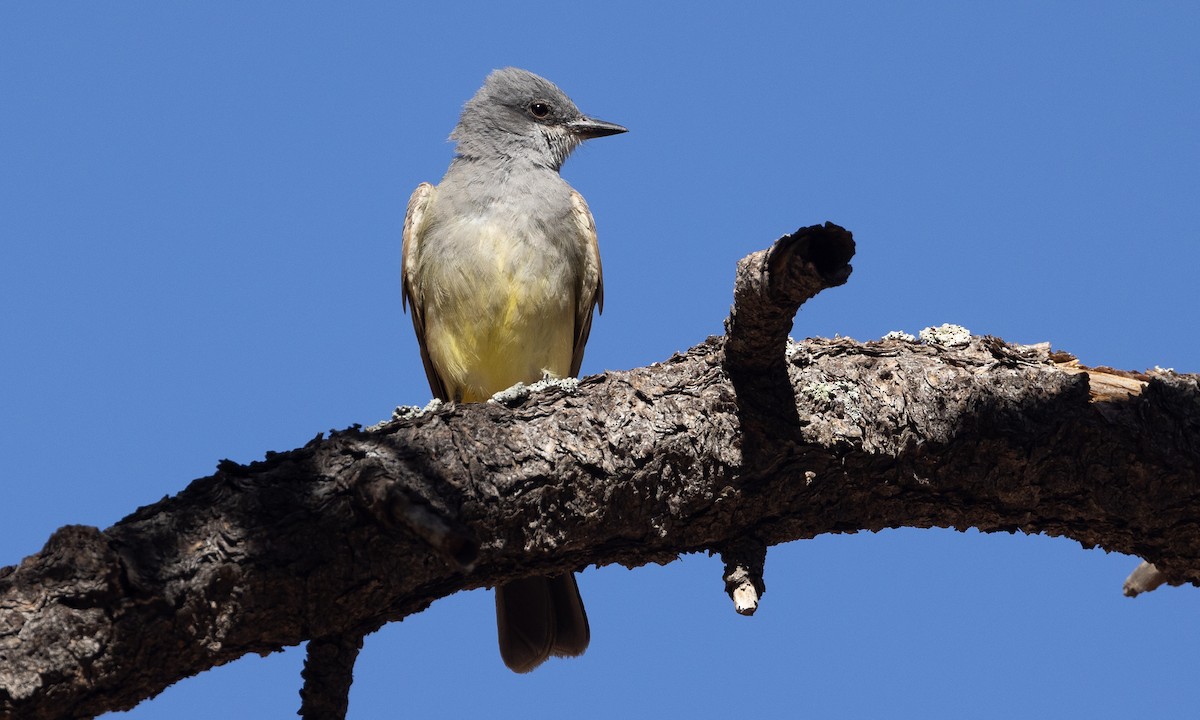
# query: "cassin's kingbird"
501, 266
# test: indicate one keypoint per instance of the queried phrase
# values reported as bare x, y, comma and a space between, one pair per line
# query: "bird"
501, 268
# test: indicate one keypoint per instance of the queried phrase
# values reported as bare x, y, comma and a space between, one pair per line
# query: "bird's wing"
591, 285
418, 204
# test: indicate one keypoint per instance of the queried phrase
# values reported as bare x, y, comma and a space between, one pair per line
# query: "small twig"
744, 560
328, 672
770, 287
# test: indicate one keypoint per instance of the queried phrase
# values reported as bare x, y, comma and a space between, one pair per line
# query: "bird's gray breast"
517, 224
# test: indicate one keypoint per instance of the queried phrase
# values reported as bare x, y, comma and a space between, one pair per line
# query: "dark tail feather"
572, 633
538, 617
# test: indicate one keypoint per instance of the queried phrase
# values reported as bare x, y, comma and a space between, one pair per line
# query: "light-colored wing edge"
591, 281
413, 218
418, 203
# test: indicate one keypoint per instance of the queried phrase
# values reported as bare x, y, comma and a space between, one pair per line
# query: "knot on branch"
387, 501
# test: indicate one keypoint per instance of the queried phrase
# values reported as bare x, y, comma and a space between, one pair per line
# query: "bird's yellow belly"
499, 325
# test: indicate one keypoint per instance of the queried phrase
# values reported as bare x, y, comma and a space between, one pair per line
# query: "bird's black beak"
588, 128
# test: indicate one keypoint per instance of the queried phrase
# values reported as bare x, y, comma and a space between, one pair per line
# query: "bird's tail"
538, 617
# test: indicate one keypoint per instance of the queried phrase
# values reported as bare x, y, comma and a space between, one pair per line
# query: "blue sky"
200, 206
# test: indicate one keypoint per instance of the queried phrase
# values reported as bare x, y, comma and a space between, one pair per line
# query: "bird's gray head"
517, 114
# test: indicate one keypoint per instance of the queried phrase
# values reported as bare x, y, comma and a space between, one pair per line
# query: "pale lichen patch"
946, 335
519, 392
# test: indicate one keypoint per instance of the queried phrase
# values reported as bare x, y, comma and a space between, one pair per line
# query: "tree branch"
328, 673
626, 467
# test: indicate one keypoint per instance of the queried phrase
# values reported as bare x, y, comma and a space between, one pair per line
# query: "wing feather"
410, 270
591, 284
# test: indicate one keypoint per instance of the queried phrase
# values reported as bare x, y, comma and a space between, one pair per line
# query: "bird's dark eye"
539, 109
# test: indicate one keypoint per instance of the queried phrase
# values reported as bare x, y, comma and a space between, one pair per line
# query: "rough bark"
369, 526
328, 673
